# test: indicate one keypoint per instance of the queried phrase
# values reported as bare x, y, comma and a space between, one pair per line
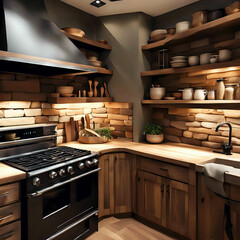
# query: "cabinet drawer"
9, 194
11, 231
10, 213
164, 169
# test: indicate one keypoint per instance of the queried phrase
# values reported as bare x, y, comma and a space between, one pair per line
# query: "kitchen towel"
214, 176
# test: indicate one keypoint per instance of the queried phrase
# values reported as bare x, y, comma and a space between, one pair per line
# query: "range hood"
30, 42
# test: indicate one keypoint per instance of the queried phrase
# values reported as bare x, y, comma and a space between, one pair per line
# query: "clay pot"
220, 89
154, 138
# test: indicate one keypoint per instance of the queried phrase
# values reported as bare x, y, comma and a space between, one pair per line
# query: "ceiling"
150, 7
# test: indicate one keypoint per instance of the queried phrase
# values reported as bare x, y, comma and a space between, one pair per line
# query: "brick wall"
197, 126
23, 100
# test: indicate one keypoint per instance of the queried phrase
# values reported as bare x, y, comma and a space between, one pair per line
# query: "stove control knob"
89, 163
36, 181
95, 162
52, 175
70, 170
62, 172
81, 165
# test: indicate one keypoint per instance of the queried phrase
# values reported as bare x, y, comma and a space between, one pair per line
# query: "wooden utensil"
87, 117
106, 90
95, 88
83, 122
102, 91
90, 85
67, 126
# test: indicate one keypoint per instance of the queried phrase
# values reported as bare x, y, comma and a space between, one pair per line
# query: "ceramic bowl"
193, 60
74, 31
65, 89
158, 34
157, 93
154, 138
90, 94
182, 26
96, 63
171, 31
177, 95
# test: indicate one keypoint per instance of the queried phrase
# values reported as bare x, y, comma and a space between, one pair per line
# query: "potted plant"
153, 132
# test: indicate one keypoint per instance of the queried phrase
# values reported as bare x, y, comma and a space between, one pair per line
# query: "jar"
211, 95
237, 92
157, 93
229, 92
187, 93
220, 89
200, 94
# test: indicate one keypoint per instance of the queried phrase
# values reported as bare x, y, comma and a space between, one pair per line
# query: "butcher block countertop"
175, 153
9, 174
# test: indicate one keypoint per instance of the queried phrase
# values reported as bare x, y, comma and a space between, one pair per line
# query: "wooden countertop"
9, 174
176, 153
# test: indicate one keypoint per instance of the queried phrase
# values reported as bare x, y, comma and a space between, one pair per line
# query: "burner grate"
46, 158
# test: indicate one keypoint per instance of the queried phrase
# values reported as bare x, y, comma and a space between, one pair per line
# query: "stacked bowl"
179, 61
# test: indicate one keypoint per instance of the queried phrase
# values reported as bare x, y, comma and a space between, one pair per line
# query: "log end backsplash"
197, 126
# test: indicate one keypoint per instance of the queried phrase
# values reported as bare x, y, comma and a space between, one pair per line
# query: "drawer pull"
4, 194
7, 235
163, 169
6, 217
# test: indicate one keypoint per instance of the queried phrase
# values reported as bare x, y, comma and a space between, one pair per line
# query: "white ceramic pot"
200, 94
193, 60
157, 93
211, 95
225, 55
154, 138
205, 58
182, 26
187, 94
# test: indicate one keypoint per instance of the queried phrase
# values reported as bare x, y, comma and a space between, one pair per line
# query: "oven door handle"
72, 225
39, 193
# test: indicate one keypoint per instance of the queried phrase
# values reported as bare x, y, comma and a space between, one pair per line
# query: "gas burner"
46, 158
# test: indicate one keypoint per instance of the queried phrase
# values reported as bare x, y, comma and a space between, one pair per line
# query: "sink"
231, 178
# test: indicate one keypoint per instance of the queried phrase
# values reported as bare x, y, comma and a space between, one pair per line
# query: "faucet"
226, 147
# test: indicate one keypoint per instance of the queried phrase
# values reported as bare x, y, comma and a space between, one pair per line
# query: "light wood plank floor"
125, 229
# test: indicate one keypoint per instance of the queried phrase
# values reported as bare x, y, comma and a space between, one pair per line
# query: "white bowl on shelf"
157, 93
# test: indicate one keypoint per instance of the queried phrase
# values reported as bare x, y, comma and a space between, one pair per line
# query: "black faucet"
226, 147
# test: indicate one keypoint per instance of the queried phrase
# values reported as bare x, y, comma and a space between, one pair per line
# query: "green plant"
153, 129
105, 132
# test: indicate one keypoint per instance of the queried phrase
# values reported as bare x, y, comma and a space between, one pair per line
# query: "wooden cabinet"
151, 199
177, 206
114, 184
10, 212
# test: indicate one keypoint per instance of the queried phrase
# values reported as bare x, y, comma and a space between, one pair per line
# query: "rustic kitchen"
119, 120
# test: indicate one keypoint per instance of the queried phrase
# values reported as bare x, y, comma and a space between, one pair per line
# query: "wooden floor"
125, 229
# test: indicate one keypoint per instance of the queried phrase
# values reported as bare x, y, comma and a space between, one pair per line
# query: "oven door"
66, 210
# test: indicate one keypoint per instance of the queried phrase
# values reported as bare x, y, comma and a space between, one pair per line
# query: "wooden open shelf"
209, 29
87, 42
230, 44
215, 104
203, 69
80, 100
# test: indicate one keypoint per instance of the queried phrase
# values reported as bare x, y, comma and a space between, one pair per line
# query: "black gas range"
60, 193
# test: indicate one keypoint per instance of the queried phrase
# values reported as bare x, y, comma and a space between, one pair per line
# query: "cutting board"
71, 130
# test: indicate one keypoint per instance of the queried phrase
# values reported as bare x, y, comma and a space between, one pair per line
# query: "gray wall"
64, 15
185, 13
126, 33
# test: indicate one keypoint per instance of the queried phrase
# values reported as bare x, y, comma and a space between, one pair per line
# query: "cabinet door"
122, 183
106, 185
177, 206
151, 197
